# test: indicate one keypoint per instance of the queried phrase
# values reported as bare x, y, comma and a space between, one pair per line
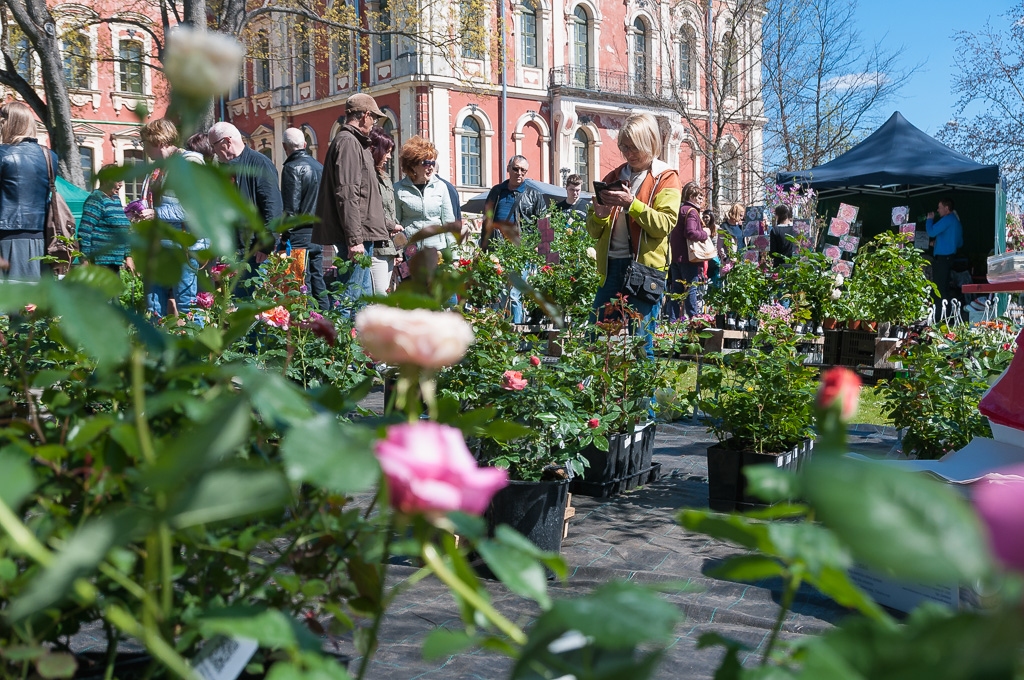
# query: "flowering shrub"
888, 282
743, 291
1014, 233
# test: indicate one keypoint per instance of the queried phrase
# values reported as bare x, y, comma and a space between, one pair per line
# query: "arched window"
77, 60
687, 58
310, 136
730, 60
133, 187
729, 178
24, 59
581, 47
581, 156
529, 30
130, 56
261, 63
88, 156
640, 71
384, 41
471, 138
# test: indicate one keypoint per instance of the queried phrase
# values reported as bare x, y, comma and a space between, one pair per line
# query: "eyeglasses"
428, 163
518, 169
220, 140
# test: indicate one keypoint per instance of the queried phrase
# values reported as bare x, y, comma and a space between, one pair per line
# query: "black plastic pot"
606, 466
534, 509
727, 484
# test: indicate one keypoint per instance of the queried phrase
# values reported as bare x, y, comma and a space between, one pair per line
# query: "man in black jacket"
300, 185
256, 179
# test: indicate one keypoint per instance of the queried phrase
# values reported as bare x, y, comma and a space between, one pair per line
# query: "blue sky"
925, 29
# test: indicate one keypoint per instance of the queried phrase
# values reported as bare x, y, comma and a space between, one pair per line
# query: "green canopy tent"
73, 196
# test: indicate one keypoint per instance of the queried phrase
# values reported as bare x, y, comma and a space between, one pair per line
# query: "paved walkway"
634, 536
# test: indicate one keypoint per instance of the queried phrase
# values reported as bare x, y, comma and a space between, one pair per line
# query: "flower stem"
448, 577
792, 585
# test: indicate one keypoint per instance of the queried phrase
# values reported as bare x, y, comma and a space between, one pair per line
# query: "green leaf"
836, 584
227, 494
442, 642
747, 568
8, 569
899, 523
271, 628
78, 558
14, 296
810, 544
85, 431
212, 337
278, 400
100, 279
330, 456
57, 664
88, 318
18, 480
520, 571
771, 484
311, 666
505, 431
214, 205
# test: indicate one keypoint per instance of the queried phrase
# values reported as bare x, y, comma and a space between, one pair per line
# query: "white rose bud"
202, 63
836, 293
591, 253
839, 279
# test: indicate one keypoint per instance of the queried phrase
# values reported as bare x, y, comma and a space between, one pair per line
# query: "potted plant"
888, 282
758, 404
744, 289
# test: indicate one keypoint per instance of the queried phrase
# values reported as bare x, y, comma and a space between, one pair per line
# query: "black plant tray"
614, 487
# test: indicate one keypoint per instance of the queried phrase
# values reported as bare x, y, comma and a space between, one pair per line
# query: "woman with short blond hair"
733, 226
24, 193
422, 201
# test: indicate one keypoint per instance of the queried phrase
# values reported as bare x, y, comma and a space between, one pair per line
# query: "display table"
1012, 287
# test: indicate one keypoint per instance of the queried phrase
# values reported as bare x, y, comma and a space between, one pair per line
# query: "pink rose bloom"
513, 380
413, 336
593, 423
430, 470
580, 387
277, 317
30, 308
322, 328
217, 271
839, 386
204, 300
838, 227
1000, 504
833, 252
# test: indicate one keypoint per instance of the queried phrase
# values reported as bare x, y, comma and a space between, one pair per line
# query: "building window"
130, 56
88, 155
268, 152
581, 156
581, 47
77, 60
341, 48
261, 64
471, 153
23, 57
730, 60
384, 41
640, 52
471, 29
687, 58
133, 187
303, 55
529, 30
238, 91
729, 179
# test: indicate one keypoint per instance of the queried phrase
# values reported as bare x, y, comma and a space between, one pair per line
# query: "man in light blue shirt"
949, 237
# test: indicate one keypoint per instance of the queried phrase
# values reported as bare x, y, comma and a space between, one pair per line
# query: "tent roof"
896, 154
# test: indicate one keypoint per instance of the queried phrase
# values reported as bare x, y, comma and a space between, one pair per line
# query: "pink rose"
217, 271
833, 252
1000, 504
277, 317
430, 470
513, 380
535, 360
580, 386
593, 423
322, 328
839, 386
413, 336
30, 308
204, 300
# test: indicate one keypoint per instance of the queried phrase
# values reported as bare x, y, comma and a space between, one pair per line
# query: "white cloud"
852, 81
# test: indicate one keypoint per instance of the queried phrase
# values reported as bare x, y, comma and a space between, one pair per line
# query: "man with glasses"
256, 178
349, 204
508, 205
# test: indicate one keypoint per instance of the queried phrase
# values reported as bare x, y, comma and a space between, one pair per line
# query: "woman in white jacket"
421, 199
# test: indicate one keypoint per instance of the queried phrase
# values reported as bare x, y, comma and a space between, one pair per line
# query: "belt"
382, 244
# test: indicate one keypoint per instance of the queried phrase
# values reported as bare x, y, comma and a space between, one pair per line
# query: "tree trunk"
194, 15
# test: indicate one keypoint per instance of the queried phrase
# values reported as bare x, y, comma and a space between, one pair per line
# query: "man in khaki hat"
349, 204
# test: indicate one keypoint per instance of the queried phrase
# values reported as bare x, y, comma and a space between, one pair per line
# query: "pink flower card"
908, 230
844, 267
838, 227
754, 213
761, 243
751, 229
848, 243
833, 252
848, 213
751, 255
900, 214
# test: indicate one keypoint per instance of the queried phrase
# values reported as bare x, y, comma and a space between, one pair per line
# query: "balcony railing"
606, 82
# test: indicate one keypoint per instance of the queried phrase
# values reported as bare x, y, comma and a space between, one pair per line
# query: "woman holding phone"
633, 220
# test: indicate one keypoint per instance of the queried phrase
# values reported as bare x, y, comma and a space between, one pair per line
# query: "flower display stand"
727, 485
626, 464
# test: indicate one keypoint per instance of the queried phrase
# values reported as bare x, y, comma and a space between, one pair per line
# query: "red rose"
546, 268
535, 360
593, 423
839, 386
580, 387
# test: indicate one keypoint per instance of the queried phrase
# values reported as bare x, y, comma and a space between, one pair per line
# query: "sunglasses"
428, 164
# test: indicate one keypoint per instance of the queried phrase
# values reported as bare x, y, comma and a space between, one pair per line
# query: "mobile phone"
611, 186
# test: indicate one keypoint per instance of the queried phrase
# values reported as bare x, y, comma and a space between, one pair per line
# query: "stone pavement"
634, 536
